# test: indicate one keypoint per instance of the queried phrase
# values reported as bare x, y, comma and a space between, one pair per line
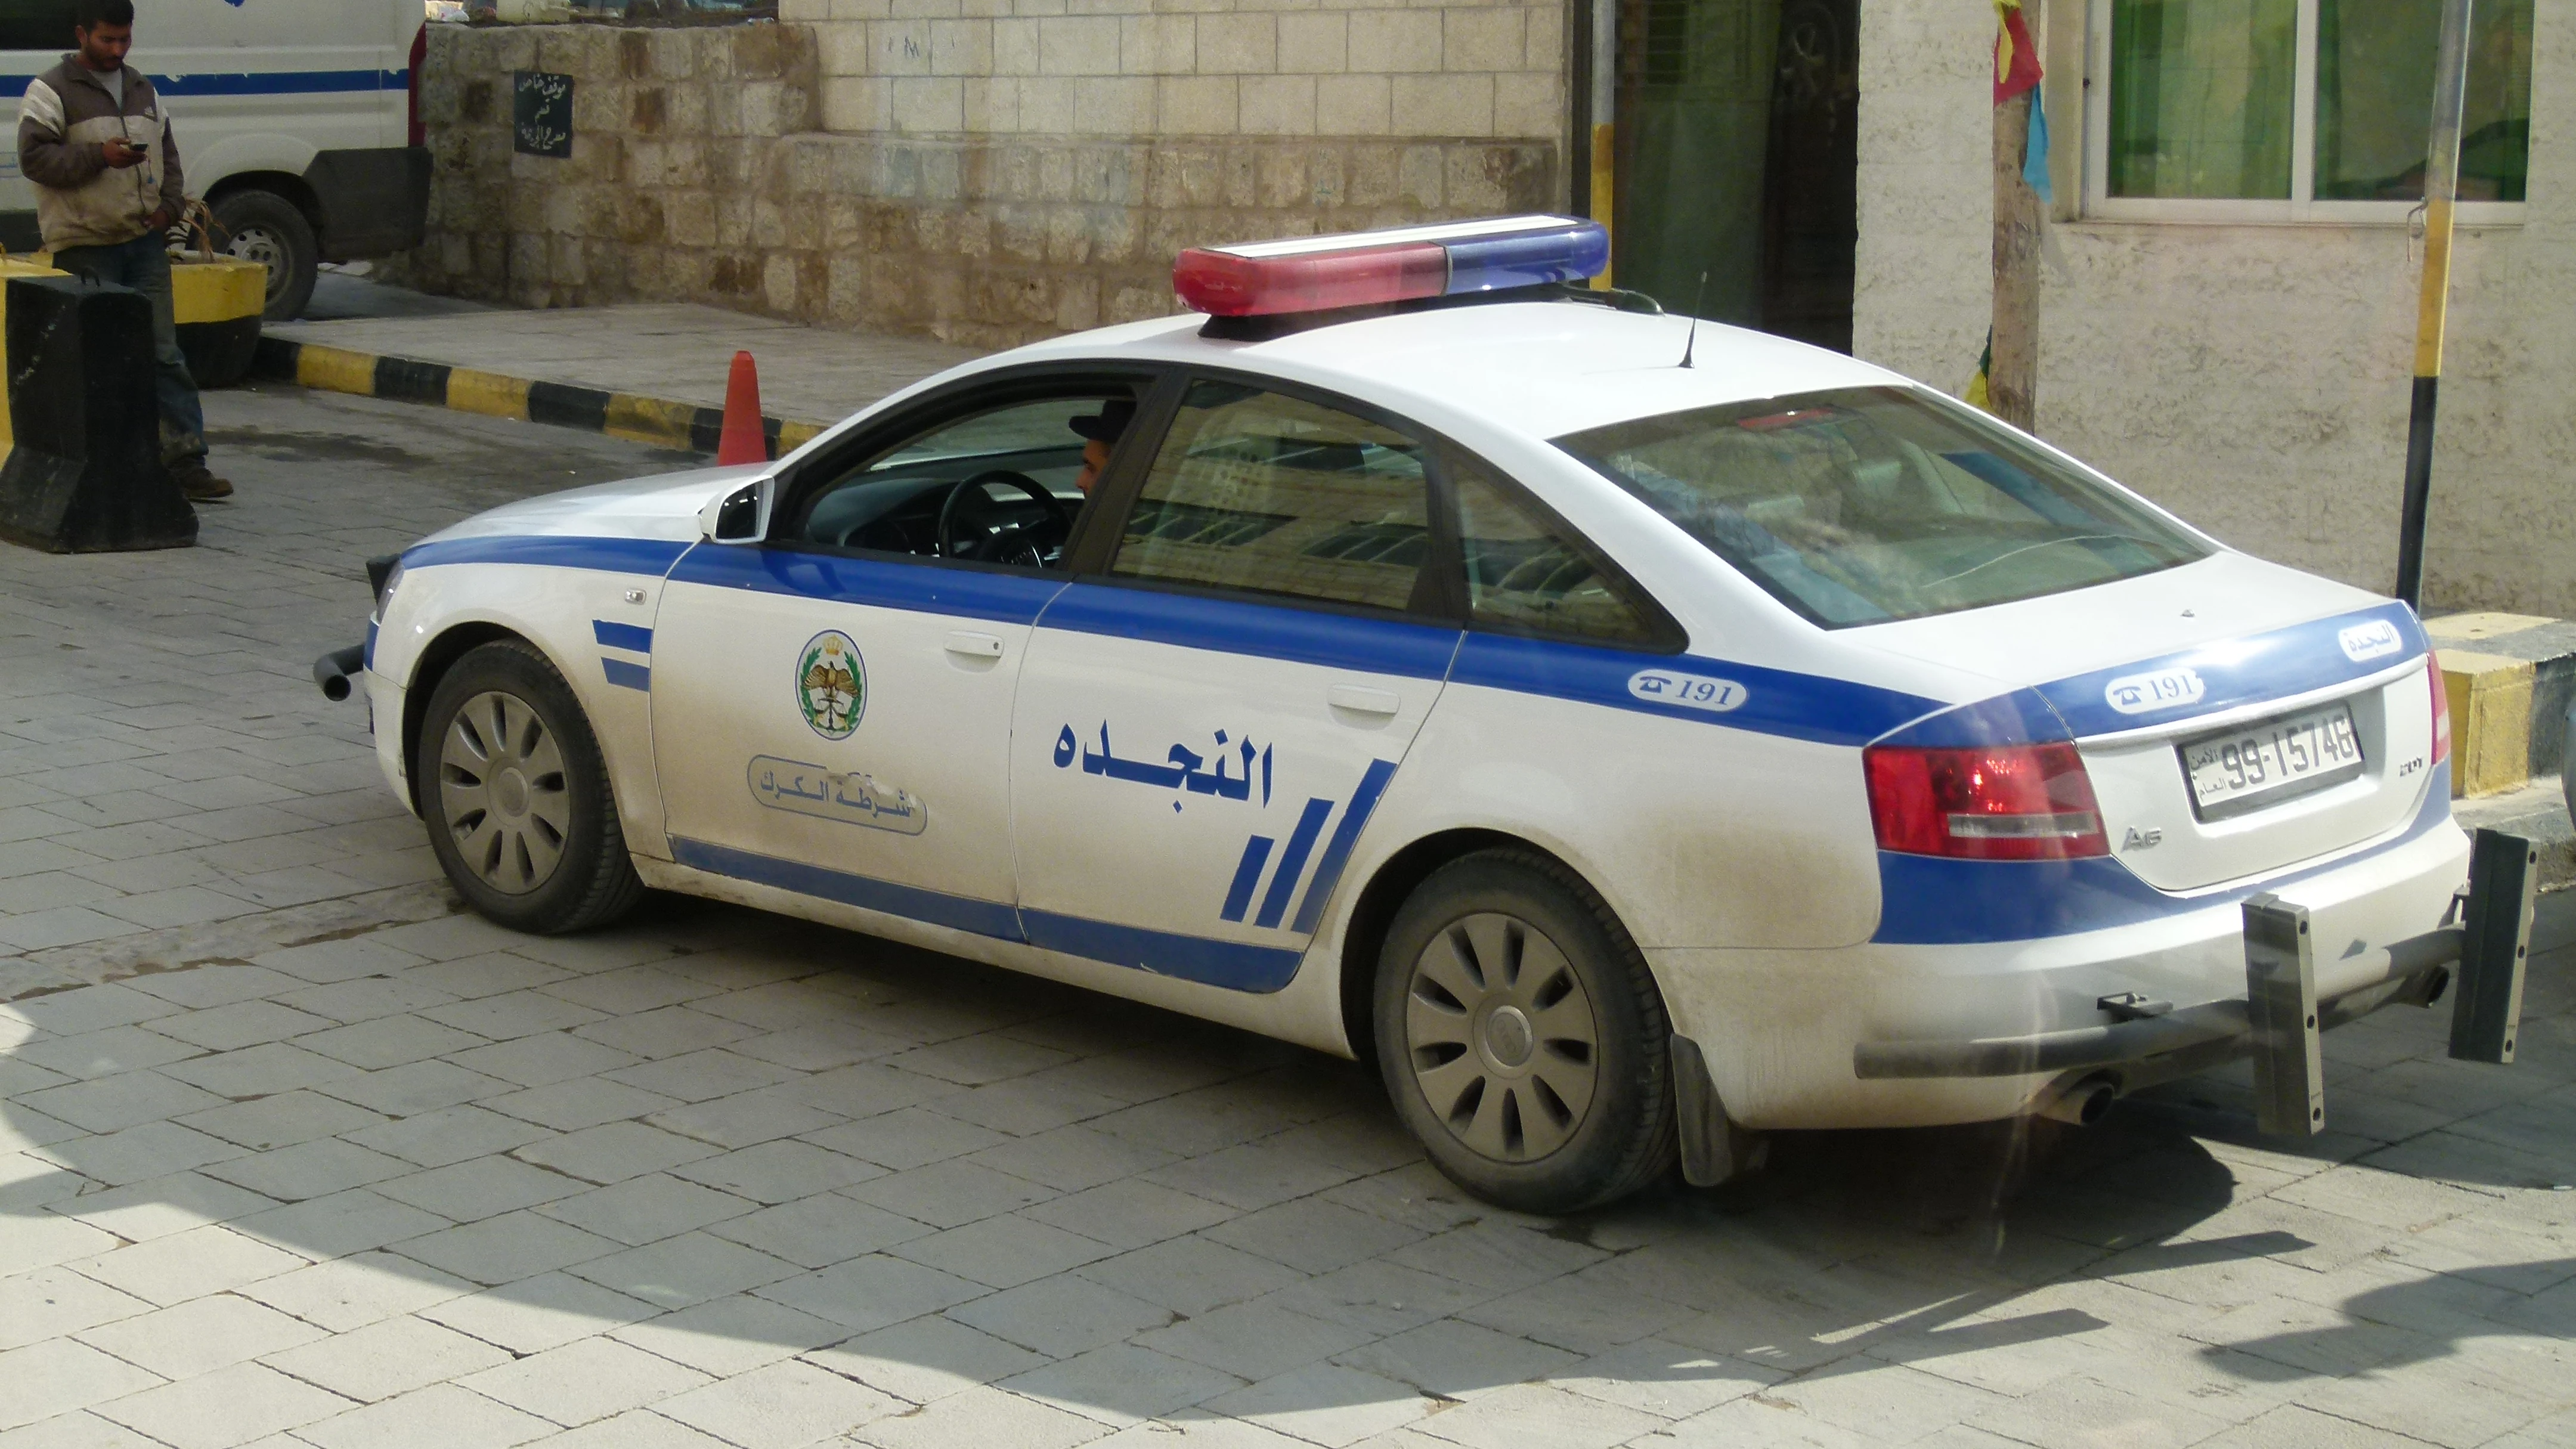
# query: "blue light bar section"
1574, 252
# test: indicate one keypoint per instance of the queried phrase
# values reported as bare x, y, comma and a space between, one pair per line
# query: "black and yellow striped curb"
660, 422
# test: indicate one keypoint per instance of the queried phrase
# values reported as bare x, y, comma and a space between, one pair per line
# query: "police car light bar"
1368, 268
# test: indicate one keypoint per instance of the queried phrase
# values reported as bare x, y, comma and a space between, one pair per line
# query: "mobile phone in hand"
139, 148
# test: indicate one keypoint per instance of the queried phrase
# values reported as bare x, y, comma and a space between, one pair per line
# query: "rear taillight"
419, 58
2013, 802
2441, 708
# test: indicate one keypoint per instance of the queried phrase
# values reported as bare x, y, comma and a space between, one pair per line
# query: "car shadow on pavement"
712, 1144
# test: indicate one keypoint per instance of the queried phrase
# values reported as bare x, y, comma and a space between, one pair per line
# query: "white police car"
1632, 738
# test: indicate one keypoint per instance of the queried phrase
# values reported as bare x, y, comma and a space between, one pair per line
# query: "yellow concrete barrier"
2490, 699
218, 301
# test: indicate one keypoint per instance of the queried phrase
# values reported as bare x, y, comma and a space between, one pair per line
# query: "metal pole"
2441, 189
1605, 100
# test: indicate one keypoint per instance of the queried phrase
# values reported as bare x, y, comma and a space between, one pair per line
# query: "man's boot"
198, 482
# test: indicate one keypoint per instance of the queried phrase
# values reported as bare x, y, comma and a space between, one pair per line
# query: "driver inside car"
1099, 433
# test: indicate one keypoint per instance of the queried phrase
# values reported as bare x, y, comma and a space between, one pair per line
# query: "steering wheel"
967, 519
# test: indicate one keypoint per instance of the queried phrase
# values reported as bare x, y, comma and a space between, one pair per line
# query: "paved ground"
293, 1155
677, 351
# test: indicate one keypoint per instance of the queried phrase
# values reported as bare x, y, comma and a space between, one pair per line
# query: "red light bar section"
1222, 284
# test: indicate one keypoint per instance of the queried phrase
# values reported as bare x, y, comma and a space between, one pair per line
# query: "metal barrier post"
2504, 876
2281, 1003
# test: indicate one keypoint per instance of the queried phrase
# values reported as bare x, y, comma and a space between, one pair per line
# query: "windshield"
1864, 505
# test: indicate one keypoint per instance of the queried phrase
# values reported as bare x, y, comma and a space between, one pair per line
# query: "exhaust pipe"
332, 671
2083, 1103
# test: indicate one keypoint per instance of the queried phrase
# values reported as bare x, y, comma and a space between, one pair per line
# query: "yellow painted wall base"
2490, 698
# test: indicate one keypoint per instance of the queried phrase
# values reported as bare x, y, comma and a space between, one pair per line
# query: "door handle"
974, 646
1361, 700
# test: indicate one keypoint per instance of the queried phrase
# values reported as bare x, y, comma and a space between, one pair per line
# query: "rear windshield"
1865, 505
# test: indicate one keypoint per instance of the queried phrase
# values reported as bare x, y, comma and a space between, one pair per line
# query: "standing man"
92, 137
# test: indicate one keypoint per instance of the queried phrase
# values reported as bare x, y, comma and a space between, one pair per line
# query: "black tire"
523, 721
1494, 1109
263, 226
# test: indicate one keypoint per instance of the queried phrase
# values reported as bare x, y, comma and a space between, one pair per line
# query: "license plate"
2263, 763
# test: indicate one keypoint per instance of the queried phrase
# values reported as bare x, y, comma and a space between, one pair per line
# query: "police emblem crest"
832, 685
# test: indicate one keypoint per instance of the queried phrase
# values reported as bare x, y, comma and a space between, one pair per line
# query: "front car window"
1866, 505
1273, 494
1002, 459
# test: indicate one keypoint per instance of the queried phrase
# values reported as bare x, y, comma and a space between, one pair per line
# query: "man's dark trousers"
144, 265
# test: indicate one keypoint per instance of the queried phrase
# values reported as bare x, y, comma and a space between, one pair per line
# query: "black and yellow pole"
2441, 191
1604, 83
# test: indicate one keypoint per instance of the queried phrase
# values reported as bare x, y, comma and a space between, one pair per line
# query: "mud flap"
1714, 1149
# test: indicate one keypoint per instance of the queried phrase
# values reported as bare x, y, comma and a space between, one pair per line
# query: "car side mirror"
741, 516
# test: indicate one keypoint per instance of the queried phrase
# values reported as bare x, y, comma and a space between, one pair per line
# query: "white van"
297, 121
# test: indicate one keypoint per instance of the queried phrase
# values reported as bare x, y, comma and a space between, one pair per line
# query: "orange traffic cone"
744, 440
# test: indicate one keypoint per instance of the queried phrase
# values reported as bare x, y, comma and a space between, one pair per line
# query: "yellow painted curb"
329, 369
661, 423
2490, 699
488, 393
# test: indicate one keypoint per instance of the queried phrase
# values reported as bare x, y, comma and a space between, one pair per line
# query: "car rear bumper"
1892, 1035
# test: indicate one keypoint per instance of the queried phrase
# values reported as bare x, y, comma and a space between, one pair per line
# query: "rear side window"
1273, 494
1865, 505
1524, 576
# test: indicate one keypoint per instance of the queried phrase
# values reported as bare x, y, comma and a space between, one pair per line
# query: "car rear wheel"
1521, 1037
264, 227
517, 797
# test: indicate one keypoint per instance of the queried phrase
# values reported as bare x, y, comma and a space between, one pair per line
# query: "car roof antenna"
1697, 298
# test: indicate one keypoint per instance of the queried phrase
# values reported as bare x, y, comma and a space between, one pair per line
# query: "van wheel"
1522, 1038
264, 227
516, 793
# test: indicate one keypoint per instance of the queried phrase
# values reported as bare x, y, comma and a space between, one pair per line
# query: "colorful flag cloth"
2016, 58
1979, 394
2034, 162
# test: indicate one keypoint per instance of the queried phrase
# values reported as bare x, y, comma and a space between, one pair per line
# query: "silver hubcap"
1505, 1048
254, 244
501, 789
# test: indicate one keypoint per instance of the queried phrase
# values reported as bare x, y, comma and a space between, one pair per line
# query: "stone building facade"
982, 171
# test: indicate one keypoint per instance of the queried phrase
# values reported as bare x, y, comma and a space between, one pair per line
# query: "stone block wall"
751, 167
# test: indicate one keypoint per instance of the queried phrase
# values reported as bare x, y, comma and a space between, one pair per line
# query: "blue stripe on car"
1262, 631
1776, 701
1337, 852
2233, 672
1009, 598
938, 908
1229, 964
622, 636
604, 555
281, 82
1929, 901
1232, 965
625, 675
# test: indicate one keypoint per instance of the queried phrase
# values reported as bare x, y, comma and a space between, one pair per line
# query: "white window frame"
2302, 205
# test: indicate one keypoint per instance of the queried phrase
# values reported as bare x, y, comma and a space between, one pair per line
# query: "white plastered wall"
2252, 378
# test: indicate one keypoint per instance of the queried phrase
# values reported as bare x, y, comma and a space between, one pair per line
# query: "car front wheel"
1521, 1037
517, 797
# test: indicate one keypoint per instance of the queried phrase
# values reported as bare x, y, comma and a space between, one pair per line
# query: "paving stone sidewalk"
292, 1154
